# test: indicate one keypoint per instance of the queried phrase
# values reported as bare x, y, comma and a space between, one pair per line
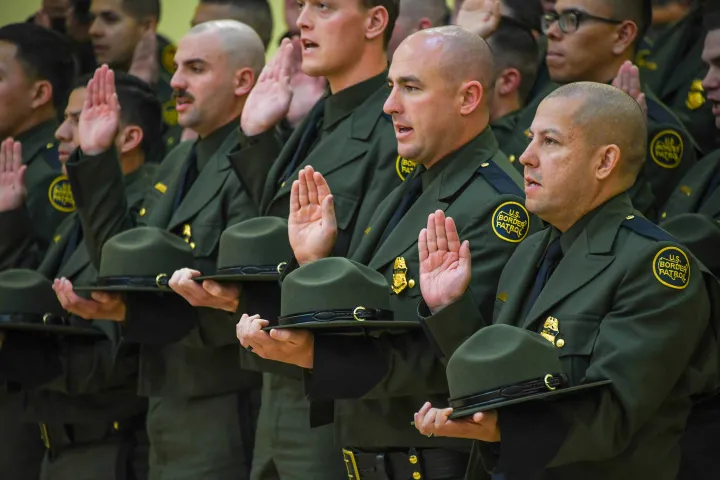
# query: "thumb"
280, 335
328, 214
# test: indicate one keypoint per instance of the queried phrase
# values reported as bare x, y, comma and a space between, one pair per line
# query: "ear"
129, 138
508, 82
609, 160
424, 23
376, 23
244, 81
625, 35
472, 96
42, 94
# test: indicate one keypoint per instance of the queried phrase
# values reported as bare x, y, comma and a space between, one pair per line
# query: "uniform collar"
42, 134
208, 146
344, 102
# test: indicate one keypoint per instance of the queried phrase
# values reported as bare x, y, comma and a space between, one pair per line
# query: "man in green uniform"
96, 391
460, 172
39, 70
347, 137
671, 67
189, 368
118, 28
618, 297
595, 41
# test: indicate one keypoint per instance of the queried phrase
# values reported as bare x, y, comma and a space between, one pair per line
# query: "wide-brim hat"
140, 260
255, 250
28, 303
337, 295
502, 365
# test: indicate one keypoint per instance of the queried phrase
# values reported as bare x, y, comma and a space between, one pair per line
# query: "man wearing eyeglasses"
596, 40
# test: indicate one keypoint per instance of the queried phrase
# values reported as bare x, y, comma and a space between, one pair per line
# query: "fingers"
328, 215
295, 197
101, 86
442, 418
440, 234
464, 254
243, 328
451, 234
323, 188
3, 155
422, 246
303, 189
311, 186
109, 86
16, 155
285, 67
227, 291
431, 238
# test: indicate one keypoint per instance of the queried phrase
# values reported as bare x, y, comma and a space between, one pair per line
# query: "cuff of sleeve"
344, 367
452, 325
87, 169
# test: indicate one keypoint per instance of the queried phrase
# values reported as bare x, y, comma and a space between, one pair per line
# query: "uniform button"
143, 211
664, 215
192, 245
417, 476
411, 283
486, 164
560, 343
413, 459
629, 217
116, 426
512, 158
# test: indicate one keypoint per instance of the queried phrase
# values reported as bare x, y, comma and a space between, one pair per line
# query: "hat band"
525, 389
159, 281
359, 314
253, 270
36, 319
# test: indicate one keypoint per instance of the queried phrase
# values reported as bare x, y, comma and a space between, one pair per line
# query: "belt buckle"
44, 435
350, 464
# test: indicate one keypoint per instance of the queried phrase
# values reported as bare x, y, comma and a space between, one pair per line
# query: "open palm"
100, 116
479, 16
269, 101
312, 227
444, 262
12, 175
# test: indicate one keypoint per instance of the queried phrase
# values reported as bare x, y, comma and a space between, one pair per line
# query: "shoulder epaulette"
497, 177
52, 156
643, 226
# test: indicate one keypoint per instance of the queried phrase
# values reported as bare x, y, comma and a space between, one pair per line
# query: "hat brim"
472, 409
54, 329
339, 326
238, 278
121, 289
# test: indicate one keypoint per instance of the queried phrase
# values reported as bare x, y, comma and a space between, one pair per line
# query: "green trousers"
22, 449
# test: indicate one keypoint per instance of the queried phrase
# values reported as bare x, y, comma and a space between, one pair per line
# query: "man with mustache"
189, 367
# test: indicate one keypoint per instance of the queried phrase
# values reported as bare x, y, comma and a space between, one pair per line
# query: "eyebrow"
192, 61
545, 131
405, 79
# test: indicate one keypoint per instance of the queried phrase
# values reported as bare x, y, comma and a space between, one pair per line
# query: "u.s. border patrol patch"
404, 167
671, 267
667, 148
60, 195
511, 222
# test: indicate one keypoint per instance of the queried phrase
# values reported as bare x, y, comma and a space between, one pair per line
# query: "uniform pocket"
576, 342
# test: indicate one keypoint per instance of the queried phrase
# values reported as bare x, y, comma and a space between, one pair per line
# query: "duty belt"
415, 463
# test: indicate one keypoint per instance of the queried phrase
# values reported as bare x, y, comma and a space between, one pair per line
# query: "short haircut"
434, 10
240, 43
525, 12
514, 46
607, 116
44, 55
637, 11
255, 13
138, 106
142, 9
393, 9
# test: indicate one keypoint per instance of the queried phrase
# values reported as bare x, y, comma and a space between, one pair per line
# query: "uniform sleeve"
701, 234
100, 198
19, 248
655, 342
407, 364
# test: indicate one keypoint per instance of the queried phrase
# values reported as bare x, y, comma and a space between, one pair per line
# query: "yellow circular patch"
671, 267
60, 195
168, 58
404, 167
511, 222
667, 148
170, 115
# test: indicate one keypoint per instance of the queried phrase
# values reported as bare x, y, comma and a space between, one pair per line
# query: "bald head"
458, 54
609, 116
239, 42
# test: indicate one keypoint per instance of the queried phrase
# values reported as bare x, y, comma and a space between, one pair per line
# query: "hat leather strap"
160, 281
47, 319
541, 385
253, 270
359, 314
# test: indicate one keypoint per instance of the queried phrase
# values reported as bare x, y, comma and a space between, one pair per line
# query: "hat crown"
256, 242
333, 284
27, 292
144, 252
498, 356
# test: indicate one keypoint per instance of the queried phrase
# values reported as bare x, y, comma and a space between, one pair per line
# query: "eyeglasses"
569, 20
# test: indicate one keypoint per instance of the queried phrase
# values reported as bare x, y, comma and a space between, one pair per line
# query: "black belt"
413, 463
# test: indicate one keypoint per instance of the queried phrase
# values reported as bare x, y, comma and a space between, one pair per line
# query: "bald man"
417, 15
202, 406
439, 104
619, 298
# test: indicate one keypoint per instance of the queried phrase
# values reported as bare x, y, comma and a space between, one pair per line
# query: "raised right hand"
481, 17
100, 116
312, 226
269, 101
12, 175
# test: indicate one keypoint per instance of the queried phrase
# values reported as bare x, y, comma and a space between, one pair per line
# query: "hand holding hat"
209, 294
296, 347
481, 426
102, 305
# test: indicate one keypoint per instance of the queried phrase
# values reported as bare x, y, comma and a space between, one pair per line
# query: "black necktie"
188, 177
553, 255
307, 140
412, 193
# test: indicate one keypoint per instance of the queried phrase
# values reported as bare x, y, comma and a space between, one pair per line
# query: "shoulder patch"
671, 268
502, 182
60, 195
168, 58
170, 115
643, 226
404, 167
696, 95
511, 222
667, 148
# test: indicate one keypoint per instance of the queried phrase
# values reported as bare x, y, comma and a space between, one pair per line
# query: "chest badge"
551, 329
399, 282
